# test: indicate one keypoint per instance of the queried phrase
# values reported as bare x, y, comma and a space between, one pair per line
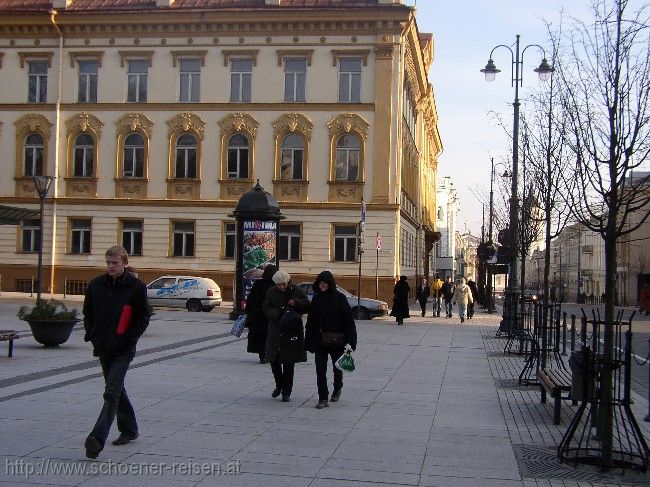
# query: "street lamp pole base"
508, 324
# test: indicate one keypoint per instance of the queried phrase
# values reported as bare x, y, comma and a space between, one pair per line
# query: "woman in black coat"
329, 320
256, 322
401, 300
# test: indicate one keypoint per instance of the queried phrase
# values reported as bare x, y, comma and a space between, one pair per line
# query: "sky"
465, 31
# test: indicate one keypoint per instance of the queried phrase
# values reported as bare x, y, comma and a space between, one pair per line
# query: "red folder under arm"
125, 319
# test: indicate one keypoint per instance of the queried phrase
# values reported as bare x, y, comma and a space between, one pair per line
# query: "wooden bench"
558, 383
10, 336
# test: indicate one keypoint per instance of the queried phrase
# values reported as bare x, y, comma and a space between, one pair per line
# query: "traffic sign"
378, 240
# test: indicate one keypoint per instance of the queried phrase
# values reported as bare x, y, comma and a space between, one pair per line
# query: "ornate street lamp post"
544, 70
42, 184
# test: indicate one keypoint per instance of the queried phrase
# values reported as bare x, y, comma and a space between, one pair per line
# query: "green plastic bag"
345, 362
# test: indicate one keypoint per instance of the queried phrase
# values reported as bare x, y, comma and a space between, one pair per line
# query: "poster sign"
259, 249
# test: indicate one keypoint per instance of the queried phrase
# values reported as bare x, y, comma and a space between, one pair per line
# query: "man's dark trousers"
116, 401
283, 374
321, 372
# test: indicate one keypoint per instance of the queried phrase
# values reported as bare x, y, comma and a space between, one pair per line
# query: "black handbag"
332, 339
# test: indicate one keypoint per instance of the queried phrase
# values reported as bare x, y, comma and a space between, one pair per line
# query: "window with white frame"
33, 155
237, 157
345, 243
132, 236
289, 246
80, 234
133, 163
183, 243
37, 81
84, 156
88, 81
185, 157
347, 158
137, 80
190, 80
295, 73
349, 80
30, 235
241, 71
229, 239
293, 153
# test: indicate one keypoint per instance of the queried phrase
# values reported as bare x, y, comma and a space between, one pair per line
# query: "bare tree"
550, 161
606, 89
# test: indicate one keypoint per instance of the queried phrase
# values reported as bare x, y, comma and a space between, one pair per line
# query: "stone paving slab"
429, 405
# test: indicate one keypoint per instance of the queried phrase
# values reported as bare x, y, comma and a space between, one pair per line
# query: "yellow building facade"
154, 117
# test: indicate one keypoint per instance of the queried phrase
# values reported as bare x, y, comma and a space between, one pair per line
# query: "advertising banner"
259, 249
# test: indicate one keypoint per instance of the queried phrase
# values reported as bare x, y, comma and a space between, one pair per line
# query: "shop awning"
11, 215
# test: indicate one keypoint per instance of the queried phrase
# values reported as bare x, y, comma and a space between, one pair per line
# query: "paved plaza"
432, 403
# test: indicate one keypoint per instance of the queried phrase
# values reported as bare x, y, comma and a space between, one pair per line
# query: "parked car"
368, 309
193, 293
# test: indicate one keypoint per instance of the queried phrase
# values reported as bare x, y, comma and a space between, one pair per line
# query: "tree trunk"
606, 409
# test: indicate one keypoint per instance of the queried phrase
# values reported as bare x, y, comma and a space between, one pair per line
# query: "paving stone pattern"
432, 403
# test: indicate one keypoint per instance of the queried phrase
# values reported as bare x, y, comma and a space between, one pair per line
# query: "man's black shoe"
123, 439
285, 398
276, 392
93, 447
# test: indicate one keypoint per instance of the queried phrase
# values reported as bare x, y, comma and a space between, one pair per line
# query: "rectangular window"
132, 236
88, 81
31, 235
241, 71
350, 80
37, 82
345, 243
190, 80
137, 81
289, 247
295, 72
183, 235
229, 239
80, 236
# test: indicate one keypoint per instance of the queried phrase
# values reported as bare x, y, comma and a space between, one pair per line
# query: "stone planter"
52, 333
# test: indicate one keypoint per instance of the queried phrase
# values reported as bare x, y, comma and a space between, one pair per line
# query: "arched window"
133, 166
33, 155
237, 157
347, 158
185, 156
293, 151
84, 155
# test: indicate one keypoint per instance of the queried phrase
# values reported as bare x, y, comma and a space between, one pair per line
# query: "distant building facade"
448, 206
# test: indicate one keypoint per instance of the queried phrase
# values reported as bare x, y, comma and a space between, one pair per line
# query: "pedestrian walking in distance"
285, 341
116, 314
448, 295
256, 321
401, 300
470, 306
330, 327
463, 297
436, 287
423, 295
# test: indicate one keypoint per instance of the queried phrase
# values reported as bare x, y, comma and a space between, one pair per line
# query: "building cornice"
190, 107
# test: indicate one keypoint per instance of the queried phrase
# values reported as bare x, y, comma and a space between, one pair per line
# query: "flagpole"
362, 225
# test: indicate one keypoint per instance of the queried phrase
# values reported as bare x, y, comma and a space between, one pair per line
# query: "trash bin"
580, 386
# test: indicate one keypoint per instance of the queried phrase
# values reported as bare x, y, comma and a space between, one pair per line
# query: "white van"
193, 293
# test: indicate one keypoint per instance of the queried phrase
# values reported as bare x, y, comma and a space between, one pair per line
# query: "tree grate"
541, 462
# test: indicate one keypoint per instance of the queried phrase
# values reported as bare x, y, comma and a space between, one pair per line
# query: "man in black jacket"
116, 314
423, 295
448, 294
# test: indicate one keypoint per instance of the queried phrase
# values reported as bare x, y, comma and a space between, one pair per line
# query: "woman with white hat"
285, 341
